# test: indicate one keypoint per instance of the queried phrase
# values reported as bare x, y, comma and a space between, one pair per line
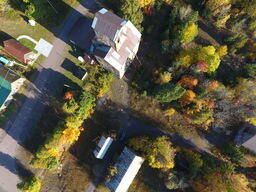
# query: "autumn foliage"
188, 82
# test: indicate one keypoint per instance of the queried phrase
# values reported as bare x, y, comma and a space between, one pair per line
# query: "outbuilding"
19, 51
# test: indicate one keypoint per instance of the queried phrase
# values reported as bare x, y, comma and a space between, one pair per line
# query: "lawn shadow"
46, 89
3, 37
60, 18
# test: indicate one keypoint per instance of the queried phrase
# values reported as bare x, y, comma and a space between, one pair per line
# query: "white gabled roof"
127, 166
102, 147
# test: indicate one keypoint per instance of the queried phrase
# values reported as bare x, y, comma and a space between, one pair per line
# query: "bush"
251, 69
168, 92
159, 152
189, 33
130, 10
236, 41
195, 163
30, 184
234, 153
202, 116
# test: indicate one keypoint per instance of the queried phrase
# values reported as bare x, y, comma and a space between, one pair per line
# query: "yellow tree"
159, 152
70, 135
164, 77
187, 98
189, 33
146, 3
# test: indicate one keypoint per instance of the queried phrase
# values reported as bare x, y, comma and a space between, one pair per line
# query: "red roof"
16, 49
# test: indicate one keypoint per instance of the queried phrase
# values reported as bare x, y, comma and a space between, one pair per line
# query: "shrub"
234, 153
195, 163
236, 41
222, 50
159, 152
251, 69
30, 184
168, 92
189, 33
202, 116
130, 10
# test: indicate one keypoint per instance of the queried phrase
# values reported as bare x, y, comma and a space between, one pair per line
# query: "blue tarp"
4, 60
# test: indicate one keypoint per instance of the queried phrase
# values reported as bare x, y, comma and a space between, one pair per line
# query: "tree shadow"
13, 165
40, 94
60, 18
3, 37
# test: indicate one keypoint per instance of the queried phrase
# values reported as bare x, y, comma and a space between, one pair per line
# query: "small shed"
19, 51
127, 167
102, 147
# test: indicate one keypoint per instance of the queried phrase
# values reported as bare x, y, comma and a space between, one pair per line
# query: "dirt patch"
72, 178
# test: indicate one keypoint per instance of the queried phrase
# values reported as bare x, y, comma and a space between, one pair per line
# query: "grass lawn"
13, 106
28, 44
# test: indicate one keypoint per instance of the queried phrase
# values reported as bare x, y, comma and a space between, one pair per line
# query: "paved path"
13, 156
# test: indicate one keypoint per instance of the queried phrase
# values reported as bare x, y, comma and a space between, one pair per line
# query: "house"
127, 167
102, 147
246, 137
16, 49
116, 42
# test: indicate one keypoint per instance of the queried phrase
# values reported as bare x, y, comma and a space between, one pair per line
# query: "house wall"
29, 57
104, 39
108, 67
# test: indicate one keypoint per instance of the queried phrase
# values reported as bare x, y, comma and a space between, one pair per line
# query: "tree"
70, 135
188, 82
70, 106
146, 3
222, 50
215, 4
249, 7
158, 152
234, 153
37, 9
168, 92
206, 54
189, 33
30, 184
187, 98
195, 163
236, 41
130, 10
164, 77
202, 116
251, 69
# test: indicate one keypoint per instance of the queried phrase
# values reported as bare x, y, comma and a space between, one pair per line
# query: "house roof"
107, 23
247, 137
127, 166
16, 49
251, 144
118, 58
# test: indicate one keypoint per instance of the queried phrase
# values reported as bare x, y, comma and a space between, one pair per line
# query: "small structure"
127, 166
88, 59
246, 137
43, 47
116, 42
10, 82
19, 51
102, 147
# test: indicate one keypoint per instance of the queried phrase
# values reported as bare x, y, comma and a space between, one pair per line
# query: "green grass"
74, 79
28, 44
